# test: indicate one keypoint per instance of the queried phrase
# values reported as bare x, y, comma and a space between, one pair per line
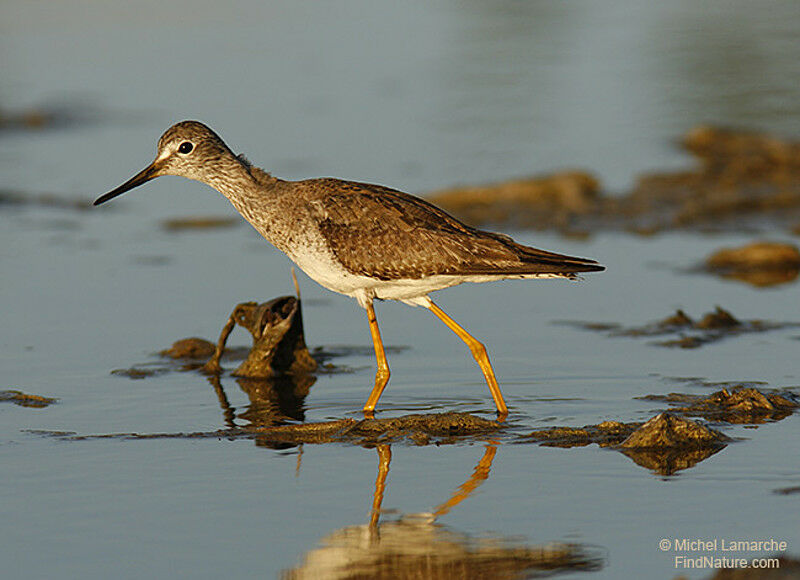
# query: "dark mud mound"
741, 181
46, 200
199, 223
279, 344
662, 431
741, 405
544, 201
689, 333
667, 431
26, 400
420, 429
759, 264
670, 442
665, 444
190, 348
139, 372
47, 117
606, 434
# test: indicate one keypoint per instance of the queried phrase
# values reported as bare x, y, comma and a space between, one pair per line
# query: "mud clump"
680, 318
605, 434
740, 175
190, 348
669, 431
191, 352
549, 198
663, 430
741, 180
441, 428
26, 400
279, 346
46, 117
417, 429
199, 223
138, 373
712, 327
759, 263
422, 428
756, 256
276, 373
30, 119
740, 405
665, 444
735, 155
718, 319
46, 200
278, 340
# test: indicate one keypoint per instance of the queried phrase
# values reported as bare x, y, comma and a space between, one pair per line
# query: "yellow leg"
479, 353
382, 376
384, 457
478, 476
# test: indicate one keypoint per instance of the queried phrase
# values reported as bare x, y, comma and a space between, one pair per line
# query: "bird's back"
387, 234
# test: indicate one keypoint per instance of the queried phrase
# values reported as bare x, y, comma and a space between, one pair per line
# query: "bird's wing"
387, 234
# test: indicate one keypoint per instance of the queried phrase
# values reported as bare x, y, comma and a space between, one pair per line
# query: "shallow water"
415, 97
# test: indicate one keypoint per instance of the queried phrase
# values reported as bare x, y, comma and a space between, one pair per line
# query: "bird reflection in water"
417, 546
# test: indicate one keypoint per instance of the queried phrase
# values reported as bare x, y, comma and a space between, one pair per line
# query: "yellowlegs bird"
361, 240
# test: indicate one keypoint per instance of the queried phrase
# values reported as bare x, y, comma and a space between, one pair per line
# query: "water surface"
415, 97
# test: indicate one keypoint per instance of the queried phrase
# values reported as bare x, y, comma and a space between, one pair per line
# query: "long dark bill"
145, 175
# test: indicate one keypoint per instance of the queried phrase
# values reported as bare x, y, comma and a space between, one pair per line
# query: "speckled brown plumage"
371, 230
384, 233
361, 240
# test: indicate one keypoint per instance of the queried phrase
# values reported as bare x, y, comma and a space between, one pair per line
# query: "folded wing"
387, 234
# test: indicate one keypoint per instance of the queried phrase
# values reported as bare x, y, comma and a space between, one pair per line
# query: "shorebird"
362, 240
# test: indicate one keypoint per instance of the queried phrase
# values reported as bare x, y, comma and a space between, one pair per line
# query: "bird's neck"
247, 187
238, 180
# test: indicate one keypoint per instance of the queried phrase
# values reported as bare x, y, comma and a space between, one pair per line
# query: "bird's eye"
185, 147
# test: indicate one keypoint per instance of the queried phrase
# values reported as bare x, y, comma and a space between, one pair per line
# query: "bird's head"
187, 149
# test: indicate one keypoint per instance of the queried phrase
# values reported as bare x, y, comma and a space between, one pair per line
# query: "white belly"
322, 267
